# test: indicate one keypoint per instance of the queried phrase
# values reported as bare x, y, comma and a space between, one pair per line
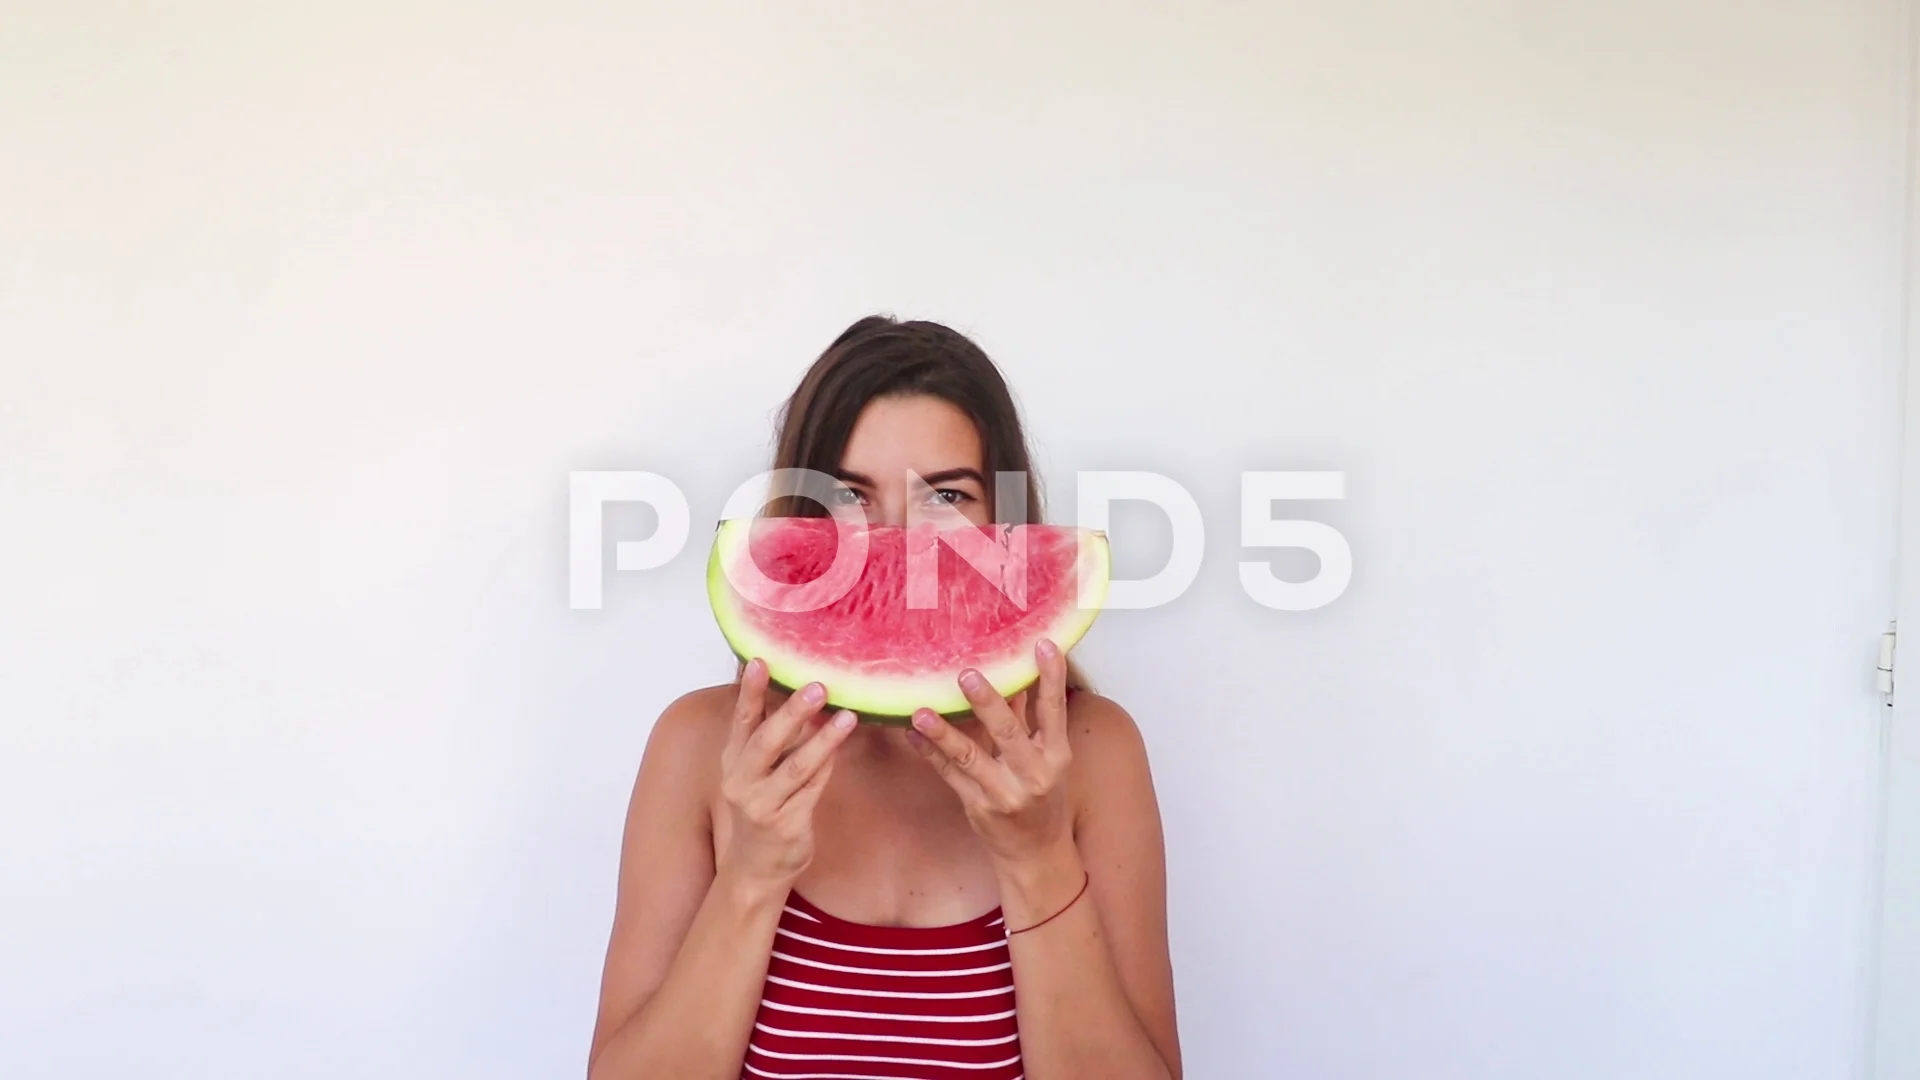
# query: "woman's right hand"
770, 799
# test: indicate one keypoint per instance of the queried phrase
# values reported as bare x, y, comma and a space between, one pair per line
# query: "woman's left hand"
1016, 793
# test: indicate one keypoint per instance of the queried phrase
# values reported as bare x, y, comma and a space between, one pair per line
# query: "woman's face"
920, 435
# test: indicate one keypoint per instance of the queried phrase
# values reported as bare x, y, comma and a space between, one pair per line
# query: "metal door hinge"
1884, 674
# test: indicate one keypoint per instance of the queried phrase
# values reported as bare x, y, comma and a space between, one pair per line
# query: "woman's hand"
770, 799
1016, 794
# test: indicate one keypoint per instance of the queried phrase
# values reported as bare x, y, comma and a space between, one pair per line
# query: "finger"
960, 782
800, 766
808, 796
962, 757
749, 704
1022, 706
765, 745
1051, 705
1003, 725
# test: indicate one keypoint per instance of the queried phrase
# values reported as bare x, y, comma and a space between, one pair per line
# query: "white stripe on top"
1014, 1060
853, 1015
797, 985
892, 952
835, 1076
942, 973
928, 1040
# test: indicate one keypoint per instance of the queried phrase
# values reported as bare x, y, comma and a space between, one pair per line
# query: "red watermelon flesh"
889, 628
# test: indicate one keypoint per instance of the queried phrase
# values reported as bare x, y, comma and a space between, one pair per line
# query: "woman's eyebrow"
850, 477
945, 475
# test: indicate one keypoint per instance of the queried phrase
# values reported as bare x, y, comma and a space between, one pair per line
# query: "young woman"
805, 898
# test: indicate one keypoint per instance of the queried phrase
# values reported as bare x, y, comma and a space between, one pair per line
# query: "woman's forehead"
922, 433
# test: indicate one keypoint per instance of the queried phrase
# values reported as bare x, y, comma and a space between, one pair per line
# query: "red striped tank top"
853, 1001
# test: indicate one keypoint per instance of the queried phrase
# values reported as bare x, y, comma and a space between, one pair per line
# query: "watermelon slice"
888, 616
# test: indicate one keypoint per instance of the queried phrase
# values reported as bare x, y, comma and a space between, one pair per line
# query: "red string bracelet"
1087, 880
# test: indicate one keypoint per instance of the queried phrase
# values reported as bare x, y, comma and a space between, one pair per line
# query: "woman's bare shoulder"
1099, 720
681, 762
1106, 741
695, 722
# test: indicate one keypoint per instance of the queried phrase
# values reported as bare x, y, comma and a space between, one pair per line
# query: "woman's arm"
687, 958
1094, 985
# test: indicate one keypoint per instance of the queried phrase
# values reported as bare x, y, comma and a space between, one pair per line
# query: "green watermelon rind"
893, 699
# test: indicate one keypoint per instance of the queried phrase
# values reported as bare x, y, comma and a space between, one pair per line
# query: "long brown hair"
880, 356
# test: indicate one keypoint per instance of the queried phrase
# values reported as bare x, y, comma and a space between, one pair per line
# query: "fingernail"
923, 720
756, 666
971, 679
814, 694
1048, 649
844, 720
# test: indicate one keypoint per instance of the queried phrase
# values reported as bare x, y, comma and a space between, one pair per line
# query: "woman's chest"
898, 862
891, 848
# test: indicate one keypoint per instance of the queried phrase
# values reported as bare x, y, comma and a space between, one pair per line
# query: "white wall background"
307, 769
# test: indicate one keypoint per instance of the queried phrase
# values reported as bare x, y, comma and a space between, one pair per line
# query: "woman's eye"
952, 496
846, 496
